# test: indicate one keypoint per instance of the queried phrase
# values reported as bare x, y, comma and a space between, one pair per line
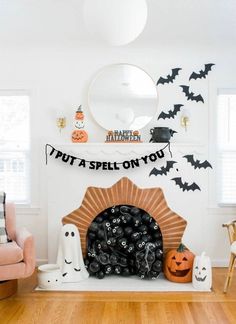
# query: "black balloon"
128, 231
124, 240
94, 267
100, 275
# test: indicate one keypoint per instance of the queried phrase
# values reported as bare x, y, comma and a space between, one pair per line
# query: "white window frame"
27, 153
224, 147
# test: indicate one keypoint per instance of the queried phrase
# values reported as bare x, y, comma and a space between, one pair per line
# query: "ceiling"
206, 22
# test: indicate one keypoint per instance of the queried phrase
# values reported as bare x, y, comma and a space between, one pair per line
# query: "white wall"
58, 78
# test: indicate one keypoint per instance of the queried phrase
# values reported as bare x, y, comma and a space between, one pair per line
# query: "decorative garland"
102, 165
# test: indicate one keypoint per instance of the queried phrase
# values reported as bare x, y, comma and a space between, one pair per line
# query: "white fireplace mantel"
67, 184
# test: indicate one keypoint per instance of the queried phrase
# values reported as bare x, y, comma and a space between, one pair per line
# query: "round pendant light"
117, 22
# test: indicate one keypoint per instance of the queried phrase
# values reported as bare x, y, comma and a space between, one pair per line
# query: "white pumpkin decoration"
202, 272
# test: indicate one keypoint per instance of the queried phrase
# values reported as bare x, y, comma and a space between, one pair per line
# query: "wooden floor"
29, 306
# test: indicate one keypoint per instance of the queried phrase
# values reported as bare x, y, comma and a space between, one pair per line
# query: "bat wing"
169, 165
155, 172
178, 182
163, 115
198, 98
176, 109
172, 132
185, 89
192, 187
194, 76
205, 165
208, 67
190, 159
175, 72
162, 81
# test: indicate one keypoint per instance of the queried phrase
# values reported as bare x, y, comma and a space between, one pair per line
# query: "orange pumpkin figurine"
79, 135
178, 264
79, 113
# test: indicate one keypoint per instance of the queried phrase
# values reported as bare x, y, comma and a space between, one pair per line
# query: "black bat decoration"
163, 170
202, 73
191, 95
170, 77
172, 132
171, 113
185, 186
196, 163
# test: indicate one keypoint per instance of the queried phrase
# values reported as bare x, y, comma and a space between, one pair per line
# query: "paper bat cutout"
185, 186
191, 95
163, 170
201, 74
169, 78
196, 163
171, 113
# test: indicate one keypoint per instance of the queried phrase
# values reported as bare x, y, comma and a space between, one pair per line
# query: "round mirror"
123, 96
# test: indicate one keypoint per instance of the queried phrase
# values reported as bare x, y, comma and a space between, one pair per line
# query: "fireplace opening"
124, 240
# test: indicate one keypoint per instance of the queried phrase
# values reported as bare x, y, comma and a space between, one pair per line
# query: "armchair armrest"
25, 241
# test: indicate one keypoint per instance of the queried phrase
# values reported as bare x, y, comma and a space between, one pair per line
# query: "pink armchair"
17, 258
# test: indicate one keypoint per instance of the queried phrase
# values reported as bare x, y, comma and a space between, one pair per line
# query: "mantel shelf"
151, 145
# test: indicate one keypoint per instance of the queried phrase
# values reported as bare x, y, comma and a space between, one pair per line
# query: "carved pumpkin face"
202, 274
79, 136
178, 264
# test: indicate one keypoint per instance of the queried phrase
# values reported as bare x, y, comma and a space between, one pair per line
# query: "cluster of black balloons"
124, 240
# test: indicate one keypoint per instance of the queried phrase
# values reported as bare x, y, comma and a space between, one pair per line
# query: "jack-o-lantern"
178, 264
79, 136
202, 273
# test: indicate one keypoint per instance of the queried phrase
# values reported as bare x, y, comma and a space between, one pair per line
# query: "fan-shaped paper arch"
125, 192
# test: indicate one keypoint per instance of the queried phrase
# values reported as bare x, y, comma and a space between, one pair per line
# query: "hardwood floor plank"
29, 306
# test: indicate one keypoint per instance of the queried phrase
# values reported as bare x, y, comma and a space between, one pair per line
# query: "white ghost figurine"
69, 257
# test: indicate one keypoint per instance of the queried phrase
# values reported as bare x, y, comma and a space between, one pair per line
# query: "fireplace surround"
125, 192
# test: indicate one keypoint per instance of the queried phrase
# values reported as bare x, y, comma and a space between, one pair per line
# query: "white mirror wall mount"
123, 96
117, 22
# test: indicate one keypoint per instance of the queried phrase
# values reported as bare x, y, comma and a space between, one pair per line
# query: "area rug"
114, 283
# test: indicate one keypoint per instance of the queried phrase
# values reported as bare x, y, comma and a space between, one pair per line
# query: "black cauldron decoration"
161, 134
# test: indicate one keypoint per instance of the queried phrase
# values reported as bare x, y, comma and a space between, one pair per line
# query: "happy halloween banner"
104, 165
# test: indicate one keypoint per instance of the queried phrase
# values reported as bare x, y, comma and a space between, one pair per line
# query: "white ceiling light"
118, 22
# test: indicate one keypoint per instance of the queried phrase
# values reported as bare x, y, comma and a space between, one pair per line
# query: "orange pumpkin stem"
181, 248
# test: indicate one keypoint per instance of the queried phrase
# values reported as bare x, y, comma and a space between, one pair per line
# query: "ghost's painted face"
72, 234
69, 232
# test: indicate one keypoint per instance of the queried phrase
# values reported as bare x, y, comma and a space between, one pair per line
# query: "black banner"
104, 165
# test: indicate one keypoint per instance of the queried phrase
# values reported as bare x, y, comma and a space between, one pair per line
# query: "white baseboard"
224, 263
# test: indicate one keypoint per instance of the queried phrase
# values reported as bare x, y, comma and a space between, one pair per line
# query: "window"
227, 146
14, 145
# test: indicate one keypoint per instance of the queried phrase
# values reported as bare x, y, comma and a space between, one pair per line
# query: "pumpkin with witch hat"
178, 264
79, 135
